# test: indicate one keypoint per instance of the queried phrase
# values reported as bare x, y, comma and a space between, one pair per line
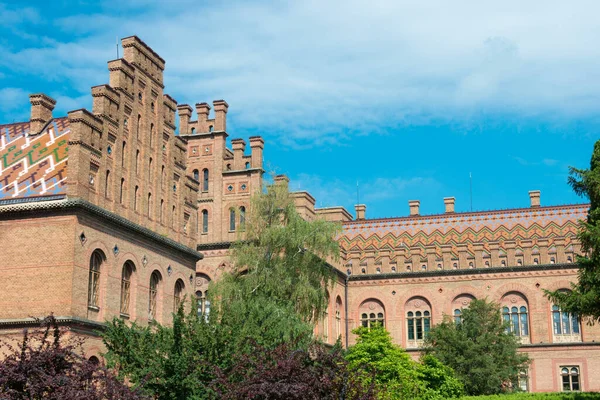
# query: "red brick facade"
118, 184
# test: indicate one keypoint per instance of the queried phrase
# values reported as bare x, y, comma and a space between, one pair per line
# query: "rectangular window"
411, 329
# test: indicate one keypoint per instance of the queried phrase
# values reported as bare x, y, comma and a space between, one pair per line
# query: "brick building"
109, 212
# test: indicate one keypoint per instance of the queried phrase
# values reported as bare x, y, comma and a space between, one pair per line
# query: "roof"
33, 166
463, 228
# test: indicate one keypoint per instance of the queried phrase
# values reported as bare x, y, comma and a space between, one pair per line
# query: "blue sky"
407, 98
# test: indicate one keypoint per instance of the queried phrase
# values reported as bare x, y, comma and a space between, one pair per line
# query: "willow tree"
278, 286
584, 299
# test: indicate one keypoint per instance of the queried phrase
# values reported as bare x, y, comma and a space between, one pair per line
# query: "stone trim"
83, 205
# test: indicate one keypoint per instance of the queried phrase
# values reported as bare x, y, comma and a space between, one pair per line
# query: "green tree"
395, 374
174, 362
273, 296
439, 379
277, 288
393, 370
479, 349
584, 299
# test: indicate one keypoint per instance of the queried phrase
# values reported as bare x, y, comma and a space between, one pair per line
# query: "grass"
533, 396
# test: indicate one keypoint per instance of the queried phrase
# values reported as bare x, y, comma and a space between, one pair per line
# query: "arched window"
514, 313
123, 154
107, 186
232, 219
162, 207
247, 165
135, 198
570, 379
242, 217
162, 176
202, 282
204, 221
196, 175
210, 128
458, 304
149, 205
153, 295
418, 320
178, 295
205, 180
193, 131
126, 273
121, 190
325, 320
338, 317
94, 279
173, 220
139, 125
151, 132
371, 313
137, 160
152, 106
150, 169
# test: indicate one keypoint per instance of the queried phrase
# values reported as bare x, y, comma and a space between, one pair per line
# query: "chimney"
534, 197
221, 107
414, 206
449, 203
281, 180
185, 112
202, 109
41, 112
361, 210
257, 144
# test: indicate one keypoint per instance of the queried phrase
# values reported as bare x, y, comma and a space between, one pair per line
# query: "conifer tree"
483, 354
584, 298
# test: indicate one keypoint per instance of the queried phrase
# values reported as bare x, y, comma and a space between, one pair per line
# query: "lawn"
533, 396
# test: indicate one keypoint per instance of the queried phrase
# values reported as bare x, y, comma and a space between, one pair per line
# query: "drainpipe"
346, 308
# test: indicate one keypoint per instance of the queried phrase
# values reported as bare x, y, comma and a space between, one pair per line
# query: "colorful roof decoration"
464, 228
33, 167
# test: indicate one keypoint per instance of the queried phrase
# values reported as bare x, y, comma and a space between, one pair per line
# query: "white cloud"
317, 72
330, 192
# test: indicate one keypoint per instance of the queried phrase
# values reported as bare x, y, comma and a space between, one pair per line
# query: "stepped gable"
33, 166
465, 228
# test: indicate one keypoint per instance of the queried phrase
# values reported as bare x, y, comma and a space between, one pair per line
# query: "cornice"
69, 321
77, 204
457, 274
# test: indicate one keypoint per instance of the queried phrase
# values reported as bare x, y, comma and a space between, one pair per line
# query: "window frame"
96, 261
126, 275
569, 375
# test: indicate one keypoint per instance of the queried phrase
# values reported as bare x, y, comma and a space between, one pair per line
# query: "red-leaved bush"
47, 365
285, 373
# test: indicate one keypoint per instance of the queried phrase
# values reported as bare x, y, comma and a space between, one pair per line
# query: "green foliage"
167, 362
584, 299
479, 350
534, 396
396, 375
278, 286
274, 294
439, 378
